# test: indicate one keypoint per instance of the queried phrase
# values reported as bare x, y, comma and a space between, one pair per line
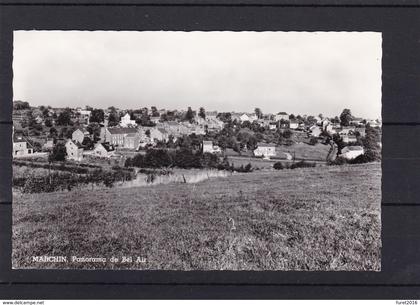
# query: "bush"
338, 161
278, 165
302, 164
368, 156
313, 141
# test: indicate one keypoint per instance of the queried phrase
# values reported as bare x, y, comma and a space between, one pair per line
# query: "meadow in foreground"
323, 218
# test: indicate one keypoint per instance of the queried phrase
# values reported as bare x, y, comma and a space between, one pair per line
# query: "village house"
20, 146
79, 135
101, 150
84, 116
131, 141
361, 131
315, 131
211, 114
48, 145
272, 126
346, 130
349, 138
116, 135
293, 124
155, 119
208, 147
74, 151
374, 123
39, 119
351, 152
281, 116
213, 123
265, 150
149, 135
126, 121
356, 121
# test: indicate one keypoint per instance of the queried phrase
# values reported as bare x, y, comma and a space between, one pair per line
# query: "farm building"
210, 148
351, 152
265, 150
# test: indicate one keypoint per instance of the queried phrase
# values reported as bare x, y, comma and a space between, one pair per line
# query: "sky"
296, 72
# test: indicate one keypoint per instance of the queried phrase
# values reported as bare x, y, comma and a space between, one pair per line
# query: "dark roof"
266, 144
284, 113
18, 137
122, 130
354, 147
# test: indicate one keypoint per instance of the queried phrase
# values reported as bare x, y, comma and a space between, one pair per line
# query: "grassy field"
305, 151
323, 218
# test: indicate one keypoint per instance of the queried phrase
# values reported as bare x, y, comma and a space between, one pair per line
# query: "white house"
208, 147
78, 135
101, 152
293, 124
315, 130
281, 116
126, 121
84, 115
348, 138
74, 151
20, 147
244, 117
351, 152
265, 150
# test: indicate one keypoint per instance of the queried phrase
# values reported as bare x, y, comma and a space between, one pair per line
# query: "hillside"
323, 218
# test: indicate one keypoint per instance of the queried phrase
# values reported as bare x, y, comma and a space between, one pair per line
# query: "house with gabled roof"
351, 152
209, 147
265, 150
116, 135
281, 116
74, 150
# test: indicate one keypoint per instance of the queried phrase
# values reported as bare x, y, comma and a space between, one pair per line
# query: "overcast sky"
296, 72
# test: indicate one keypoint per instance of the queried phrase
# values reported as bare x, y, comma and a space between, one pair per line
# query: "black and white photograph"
218, 150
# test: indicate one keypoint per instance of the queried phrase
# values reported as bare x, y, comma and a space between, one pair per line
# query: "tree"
189, 115
225, 117
202, 113
335, 120
258, 113
287, 134
311, 120
155, 112
292, 117
58, 153
48, 122
53, 132
278, 165
346, 117
64, 118
45, 113
88, 143
95, 130
20, 105
97, 115
113, 119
